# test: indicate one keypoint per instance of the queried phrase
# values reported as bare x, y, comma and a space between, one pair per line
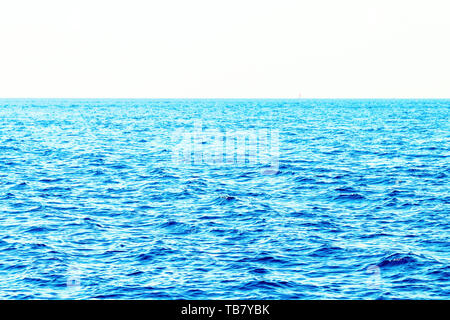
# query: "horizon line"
222, 98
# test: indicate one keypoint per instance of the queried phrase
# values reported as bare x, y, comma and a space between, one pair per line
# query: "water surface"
93, 205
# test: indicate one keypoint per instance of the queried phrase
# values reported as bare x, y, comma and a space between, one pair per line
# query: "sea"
224, 199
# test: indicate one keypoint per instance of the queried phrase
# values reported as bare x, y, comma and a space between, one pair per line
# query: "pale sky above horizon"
225, 49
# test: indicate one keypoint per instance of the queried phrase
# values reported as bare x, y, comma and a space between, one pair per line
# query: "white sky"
225, 49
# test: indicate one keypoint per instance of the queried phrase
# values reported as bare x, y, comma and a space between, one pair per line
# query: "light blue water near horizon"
93, 207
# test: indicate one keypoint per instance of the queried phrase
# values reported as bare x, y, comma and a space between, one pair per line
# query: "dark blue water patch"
398, 260
36, 229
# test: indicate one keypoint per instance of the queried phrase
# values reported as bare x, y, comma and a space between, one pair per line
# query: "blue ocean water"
94, 207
